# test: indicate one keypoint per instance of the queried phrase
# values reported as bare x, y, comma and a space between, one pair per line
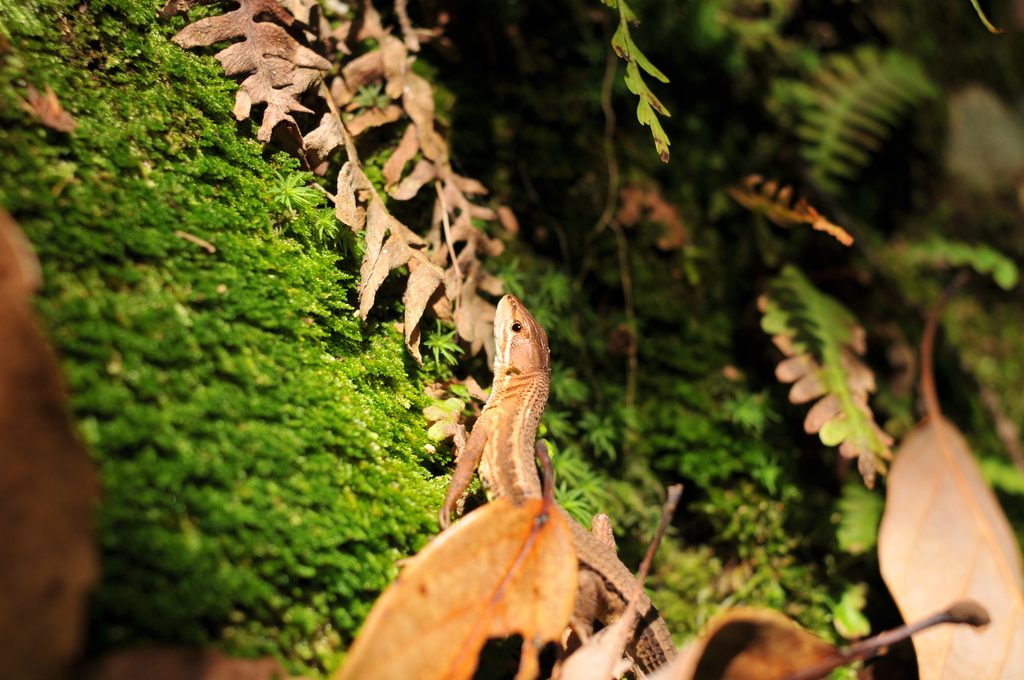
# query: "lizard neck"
516, 404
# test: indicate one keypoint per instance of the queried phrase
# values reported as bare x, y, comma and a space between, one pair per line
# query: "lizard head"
521, 345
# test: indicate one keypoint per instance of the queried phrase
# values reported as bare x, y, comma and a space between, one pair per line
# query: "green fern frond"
823, 343
649, 106
851, 107
937, 252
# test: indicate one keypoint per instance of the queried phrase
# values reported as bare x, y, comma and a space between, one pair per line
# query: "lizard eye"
517, 327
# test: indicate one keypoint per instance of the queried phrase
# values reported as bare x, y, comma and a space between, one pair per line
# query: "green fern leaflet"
851, 108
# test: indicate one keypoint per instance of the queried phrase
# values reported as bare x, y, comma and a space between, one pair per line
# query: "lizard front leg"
465, 468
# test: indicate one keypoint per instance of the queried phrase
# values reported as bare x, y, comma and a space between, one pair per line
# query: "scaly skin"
502, 445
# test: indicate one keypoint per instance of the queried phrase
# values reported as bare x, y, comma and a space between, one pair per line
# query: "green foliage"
940, 253
443, 346
260, 449
859, 513
622, 43
826, 338
1002, 475
371, 97
290, 195
849, 106
848, 614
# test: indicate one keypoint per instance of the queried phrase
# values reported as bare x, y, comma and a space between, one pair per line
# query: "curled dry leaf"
640, 201
776, 204
502, 570
823, 343
747, 643
943, 536
47, 488
373, 118
48, 109
277, 67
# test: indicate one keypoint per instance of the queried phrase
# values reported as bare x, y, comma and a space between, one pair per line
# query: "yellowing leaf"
943, 537
502, 570
775, 204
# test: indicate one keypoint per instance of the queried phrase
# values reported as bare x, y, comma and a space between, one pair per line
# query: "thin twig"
448, 231
627, 294
610, 69
203, 243
402, 10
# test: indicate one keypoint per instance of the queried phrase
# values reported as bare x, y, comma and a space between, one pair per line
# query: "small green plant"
443, 346
290, 196
371, 97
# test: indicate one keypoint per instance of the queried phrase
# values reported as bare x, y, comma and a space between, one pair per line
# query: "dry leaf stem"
928, 347
964, 611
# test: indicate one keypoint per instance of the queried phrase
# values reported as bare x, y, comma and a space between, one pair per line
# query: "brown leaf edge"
776, 204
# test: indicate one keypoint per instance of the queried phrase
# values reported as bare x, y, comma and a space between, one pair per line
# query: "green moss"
260, 448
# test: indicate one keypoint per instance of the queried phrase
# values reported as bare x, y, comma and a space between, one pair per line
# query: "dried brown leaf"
747, 643
168, 663
795, 367
404, 153
823, 411
498, 572
775, 205
418, 101
49, 110
424, 279
640, 202
508, 219
943, 537
424, 171
327, 137
352, 182
393, 57
361, 71
372, 118
47, 487
279, 69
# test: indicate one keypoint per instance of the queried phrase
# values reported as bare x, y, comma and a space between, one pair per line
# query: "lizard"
502, 445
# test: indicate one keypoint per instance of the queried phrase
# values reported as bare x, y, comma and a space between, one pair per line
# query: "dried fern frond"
823, 343
776, 204
851, 107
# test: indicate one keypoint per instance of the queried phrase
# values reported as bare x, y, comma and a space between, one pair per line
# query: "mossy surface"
259, 446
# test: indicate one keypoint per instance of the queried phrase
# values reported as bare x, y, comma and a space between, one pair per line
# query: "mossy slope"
260, 448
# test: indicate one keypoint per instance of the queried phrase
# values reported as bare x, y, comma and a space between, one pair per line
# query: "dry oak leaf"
775, 204
372, 118
502, 570
279, 69
747, 643
47, 487
943, 537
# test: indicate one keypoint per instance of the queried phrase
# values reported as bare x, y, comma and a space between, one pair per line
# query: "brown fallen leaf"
640, 201
774, 203
424, 171
47, 487
754, 643
168, 663
373, 118
277, 67
500, 571
943, 536
48, 109
404, 153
